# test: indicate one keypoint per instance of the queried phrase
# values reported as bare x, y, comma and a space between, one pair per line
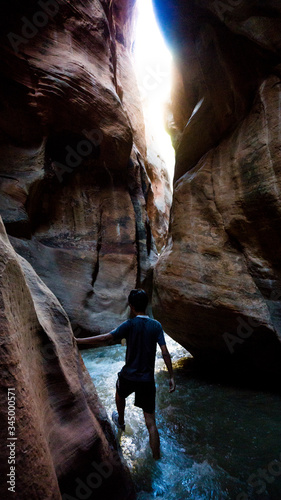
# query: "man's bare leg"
120, 404
154, 439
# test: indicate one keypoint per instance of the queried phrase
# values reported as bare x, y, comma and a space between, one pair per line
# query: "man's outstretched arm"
168, 363
97, 341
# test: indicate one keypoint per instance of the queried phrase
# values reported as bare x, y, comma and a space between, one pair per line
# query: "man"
142, 335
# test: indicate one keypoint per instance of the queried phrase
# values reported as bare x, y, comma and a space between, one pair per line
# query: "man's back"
142, 335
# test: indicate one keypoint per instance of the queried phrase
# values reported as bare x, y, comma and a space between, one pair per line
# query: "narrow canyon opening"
85, 203
153, 67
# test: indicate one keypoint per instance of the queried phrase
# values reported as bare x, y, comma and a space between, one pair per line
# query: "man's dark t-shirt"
142, 335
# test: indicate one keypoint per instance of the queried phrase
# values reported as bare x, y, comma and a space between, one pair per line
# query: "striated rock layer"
62, 430
74, 188
217, 284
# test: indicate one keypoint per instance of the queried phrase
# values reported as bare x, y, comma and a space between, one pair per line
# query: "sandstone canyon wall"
75, 193
217, 284
61, 426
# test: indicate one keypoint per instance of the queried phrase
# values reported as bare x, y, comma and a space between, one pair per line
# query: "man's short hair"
138, 299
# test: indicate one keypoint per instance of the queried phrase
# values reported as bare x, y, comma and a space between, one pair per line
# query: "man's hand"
172, 385
168, 363
79, 341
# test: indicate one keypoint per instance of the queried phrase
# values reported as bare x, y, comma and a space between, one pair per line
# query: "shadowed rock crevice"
146, 251
99, 244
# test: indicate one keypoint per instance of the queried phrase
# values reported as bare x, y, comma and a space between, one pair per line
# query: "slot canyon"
88, 214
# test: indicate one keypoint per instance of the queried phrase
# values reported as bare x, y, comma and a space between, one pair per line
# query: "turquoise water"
215, 439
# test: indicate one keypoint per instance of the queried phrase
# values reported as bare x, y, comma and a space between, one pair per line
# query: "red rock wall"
217, 285
74, 187
61, 427
74, 198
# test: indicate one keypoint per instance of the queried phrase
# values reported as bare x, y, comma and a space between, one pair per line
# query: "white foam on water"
212, 437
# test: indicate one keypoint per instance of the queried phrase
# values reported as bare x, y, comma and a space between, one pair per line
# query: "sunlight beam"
153, 64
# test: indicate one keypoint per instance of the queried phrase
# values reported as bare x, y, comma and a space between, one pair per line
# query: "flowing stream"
217, 442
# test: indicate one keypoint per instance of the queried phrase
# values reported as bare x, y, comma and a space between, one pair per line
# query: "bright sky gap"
153, 64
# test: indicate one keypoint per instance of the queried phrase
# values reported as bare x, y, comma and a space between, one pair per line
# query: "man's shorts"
144, 392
